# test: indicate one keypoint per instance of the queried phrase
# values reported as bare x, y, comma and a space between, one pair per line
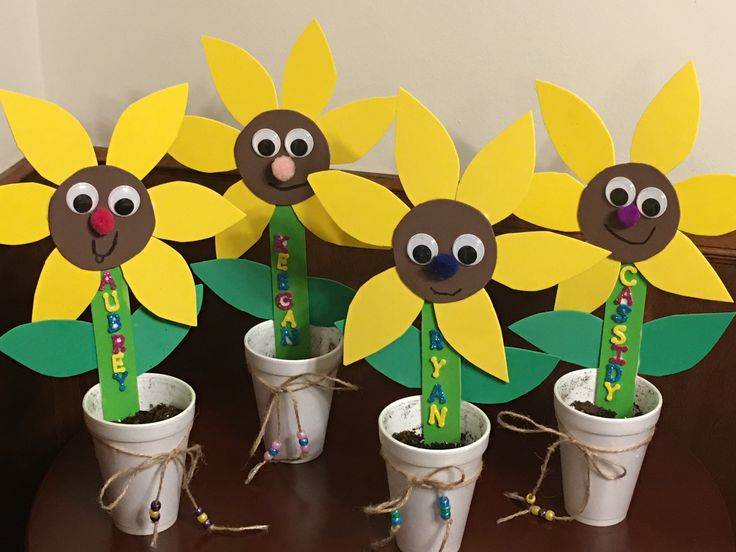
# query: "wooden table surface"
317, 506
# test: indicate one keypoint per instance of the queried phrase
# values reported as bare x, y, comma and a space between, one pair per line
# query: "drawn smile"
631, 242
100, 257
458, 290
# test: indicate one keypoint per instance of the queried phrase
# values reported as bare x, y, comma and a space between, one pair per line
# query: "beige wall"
20, 63
473, 62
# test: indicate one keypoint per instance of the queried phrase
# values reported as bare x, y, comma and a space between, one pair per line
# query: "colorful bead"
301, 435
396, 518
305, 449
549, 515
208, 524
303, 442
267, 457
530, 498
534, 510
199, 511
203, 518
155, 505
154, 515
272, 451
276, 445
444, 505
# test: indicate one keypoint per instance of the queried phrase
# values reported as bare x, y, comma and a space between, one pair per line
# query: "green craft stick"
441, 388
289, 287
115, 345
619, 358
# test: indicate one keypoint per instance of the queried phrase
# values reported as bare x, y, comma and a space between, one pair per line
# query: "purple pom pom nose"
629, 215
444, 266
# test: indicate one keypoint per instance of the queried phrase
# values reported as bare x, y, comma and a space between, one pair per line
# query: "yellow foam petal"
146, 130
354, 128
52, 140
205, 145
666, 132
552, 202
425, 155
241, 236
63, 290
588, 290
682, 269
707, 204
531, 261
24, 211
471, 327
310, 74
317, 220
499, 176
161, 280
380, 313
577, 131
244, 86
365, 210
186, 212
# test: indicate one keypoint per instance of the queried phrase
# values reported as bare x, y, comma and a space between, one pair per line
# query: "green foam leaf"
243, 284
328, 301
156, 338
527, 369
676, 343
56, 348
572, 336
401, 360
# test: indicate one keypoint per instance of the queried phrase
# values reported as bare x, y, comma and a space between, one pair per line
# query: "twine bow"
595, 461
181, 455
426, 482
289, 387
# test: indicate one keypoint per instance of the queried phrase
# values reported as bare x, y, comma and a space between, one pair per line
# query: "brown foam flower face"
277, 151
444, 250
101, 217
631, 210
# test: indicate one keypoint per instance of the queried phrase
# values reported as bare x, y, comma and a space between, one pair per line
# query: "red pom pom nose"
102, 221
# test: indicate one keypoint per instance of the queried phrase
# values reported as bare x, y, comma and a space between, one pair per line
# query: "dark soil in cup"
415, 439
588, 407
155, 414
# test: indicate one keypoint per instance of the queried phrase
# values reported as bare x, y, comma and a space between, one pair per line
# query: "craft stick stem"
113, 331
289, 285
440, 383
618, 363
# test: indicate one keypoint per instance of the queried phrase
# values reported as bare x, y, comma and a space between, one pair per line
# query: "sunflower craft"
107, 229
274, 153
445, 252
633, 210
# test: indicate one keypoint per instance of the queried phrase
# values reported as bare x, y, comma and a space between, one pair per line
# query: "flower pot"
608, 500
422, 529
131, 515
313, 403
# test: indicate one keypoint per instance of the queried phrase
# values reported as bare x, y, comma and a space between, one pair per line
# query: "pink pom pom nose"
629, 215
283, 168
102, 221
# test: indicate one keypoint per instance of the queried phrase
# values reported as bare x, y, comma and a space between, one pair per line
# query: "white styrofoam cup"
609, 500
422, 529
132, 513
313, 402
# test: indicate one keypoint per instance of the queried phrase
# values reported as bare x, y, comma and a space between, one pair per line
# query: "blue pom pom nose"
444, 266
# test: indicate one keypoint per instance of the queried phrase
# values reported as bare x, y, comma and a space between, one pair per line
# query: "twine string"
289, 387
428, 481
188, 458
594, 458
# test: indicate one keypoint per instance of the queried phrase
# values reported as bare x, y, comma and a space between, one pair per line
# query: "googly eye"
652, 202
299, 142
124, 201
422, 248
468, 249
266, 142
620, 191
82, 197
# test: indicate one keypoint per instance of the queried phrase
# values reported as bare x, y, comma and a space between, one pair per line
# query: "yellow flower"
342, 135
663, 138
102, 216
452, 218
